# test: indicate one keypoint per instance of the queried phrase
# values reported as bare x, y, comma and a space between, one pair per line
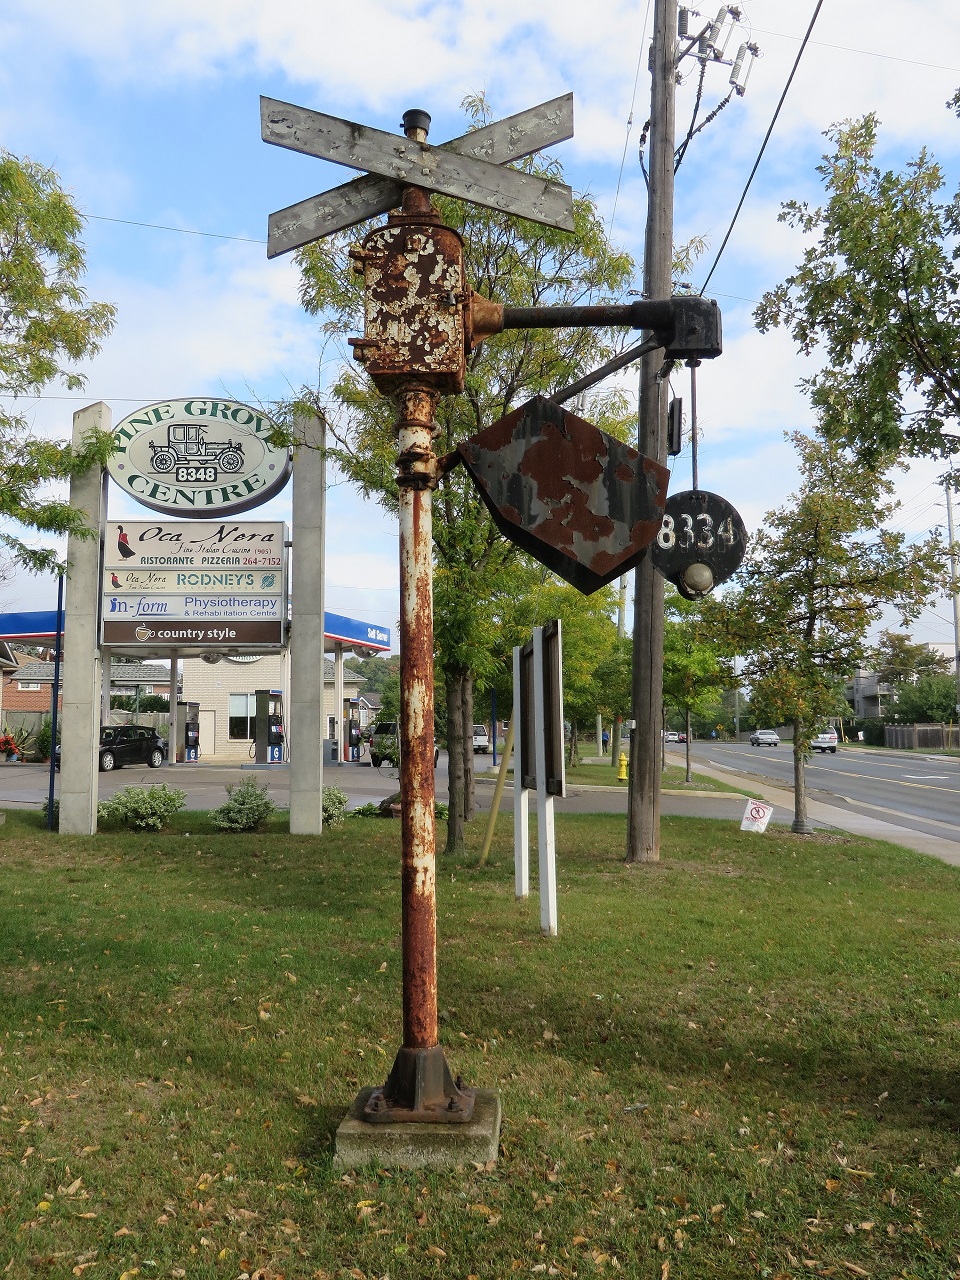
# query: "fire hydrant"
622, 775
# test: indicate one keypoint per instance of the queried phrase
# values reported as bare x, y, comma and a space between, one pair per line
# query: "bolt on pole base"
420, 1089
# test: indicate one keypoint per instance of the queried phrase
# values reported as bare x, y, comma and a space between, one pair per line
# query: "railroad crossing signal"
467, 167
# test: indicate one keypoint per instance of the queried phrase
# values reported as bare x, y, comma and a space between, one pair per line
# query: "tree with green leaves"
897, 660
692, 669
878, 293
813, 581
47, 325
931, 700
511, 261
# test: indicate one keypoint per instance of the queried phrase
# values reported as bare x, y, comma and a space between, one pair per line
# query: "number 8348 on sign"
701, 542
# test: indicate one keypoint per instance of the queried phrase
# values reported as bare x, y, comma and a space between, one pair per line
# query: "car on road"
481, 739
384, 743
127, 744
764, 738
671, 736
826, 740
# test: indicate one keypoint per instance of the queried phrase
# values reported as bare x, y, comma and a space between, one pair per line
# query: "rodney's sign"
198, 457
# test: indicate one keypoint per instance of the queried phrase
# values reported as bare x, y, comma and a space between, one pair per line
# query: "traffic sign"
468, 167
580, 501
701, 542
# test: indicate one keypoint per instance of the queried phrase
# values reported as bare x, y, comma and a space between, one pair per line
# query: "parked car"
826, 740
764, 738
384, 742
127, 744
385, 745
481, 739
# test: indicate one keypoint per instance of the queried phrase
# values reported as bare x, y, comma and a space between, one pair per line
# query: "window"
243, 716
31, 686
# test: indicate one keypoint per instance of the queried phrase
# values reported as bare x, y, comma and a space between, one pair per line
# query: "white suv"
826, 740
481, 739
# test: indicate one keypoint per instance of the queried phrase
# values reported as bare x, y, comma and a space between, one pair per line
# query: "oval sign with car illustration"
199, 457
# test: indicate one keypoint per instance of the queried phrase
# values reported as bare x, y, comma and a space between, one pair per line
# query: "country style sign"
201, 457
580, 501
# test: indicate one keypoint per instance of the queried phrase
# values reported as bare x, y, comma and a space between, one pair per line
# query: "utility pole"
643, 812
953, 591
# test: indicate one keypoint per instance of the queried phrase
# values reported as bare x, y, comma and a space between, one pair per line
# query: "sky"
150, 115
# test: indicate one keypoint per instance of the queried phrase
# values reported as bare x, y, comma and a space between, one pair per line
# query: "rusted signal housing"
413, 301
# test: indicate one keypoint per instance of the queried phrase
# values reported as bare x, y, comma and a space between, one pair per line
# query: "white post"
306, 712
546, 840
105, 679
306, 630
172, 715
599, 735
521, 797
81, 659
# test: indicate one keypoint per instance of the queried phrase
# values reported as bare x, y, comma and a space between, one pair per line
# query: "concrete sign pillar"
172, 712
81, 660
305, 715
106, 675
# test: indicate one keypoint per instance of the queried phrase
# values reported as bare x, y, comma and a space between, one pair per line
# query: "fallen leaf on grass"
833, 1184
850, 1266
435, 1251
85, 1215
124, 1231
580, 1240
665, 1271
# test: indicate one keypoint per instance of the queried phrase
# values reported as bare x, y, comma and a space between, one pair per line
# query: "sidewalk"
830, 815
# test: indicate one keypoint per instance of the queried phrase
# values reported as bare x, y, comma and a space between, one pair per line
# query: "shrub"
334, 806
143, 808
247, 807
44, 740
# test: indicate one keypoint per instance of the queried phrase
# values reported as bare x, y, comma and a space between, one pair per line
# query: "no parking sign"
756, 816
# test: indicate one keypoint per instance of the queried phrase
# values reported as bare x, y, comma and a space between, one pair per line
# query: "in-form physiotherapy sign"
188, 584
199, 457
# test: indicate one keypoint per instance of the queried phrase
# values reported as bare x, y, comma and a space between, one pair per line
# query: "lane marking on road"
899, 813
844, 773
943, 777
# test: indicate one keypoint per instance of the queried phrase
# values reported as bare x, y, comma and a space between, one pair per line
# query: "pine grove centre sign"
198, 457
189, 584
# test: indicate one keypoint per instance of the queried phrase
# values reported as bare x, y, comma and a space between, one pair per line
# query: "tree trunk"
800, 824
689, 771
453, 682
466, 711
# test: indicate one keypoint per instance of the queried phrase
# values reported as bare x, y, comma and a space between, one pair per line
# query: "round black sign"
701, 542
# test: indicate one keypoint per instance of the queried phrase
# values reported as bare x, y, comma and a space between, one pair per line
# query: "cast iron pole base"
420, 1089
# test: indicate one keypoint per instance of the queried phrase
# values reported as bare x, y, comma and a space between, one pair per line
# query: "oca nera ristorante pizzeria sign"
199, 457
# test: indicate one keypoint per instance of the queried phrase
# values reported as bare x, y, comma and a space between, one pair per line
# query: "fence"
921, 737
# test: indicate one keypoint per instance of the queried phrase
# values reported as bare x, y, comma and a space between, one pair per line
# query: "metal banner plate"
416, 163
580, 501
366, 197
701, 542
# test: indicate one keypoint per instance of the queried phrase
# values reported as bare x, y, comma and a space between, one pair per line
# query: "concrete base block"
419, 1146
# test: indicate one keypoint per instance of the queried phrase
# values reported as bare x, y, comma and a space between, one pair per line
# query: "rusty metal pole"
413, 270
416, 474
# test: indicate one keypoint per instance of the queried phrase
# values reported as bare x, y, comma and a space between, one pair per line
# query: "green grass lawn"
742, 1061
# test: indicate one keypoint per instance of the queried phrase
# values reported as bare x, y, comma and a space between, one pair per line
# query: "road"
921, 792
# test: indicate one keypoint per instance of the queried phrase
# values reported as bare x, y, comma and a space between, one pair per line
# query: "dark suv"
128, 744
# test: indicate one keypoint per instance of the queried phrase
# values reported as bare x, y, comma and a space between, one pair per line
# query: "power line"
183, 231
865, 53
633, 100
763, 145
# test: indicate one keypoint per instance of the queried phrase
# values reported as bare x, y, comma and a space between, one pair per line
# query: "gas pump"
268, 726
188, 732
